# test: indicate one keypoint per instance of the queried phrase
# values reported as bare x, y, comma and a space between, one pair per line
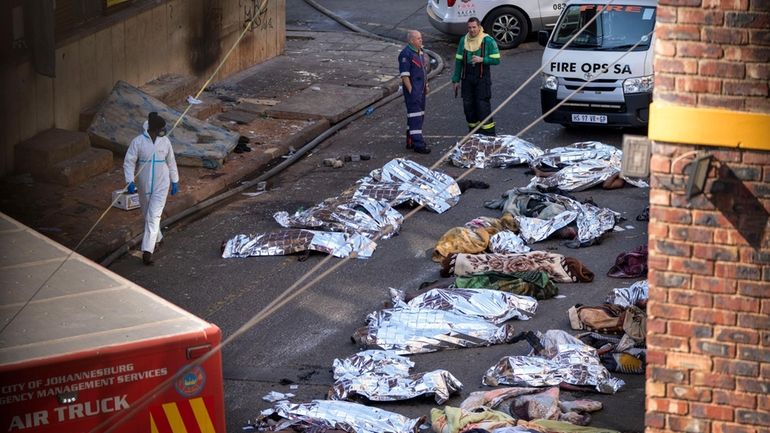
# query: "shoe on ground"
423, 150
147, 258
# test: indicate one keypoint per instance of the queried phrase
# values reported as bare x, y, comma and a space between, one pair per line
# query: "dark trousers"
415, 114
477, 95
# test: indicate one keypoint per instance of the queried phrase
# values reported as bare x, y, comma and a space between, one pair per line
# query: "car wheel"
508, 26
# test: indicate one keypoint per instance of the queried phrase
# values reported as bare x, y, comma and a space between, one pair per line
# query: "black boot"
147, 258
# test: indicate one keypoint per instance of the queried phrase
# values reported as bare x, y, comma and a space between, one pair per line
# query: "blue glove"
174, 188
131, 188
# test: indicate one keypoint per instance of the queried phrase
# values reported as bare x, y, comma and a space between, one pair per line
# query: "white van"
620, 90
508, 21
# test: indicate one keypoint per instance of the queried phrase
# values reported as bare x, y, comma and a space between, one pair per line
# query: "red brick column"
709, 310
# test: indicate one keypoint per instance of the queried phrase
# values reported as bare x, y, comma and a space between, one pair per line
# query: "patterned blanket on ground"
560, 268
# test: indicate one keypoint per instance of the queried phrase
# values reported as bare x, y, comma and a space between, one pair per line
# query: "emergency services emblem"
192, 382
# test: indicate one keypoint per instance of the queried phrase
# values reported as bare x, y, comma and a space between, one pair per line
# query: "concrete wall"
188, 37
709, 309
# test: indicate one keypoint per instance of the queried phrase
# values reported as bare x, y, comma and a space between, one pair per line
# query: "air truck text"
69, 412
592, 68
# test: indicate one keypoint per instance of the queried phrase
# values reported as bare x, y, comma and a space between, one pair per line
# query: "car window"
617, 27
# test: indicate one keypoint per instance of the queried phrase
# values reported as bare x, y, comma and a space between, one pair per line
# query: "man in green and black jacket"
476, 52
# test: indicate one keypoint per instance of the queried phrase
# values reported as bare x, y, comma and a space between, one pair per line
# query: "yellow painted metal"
709, 126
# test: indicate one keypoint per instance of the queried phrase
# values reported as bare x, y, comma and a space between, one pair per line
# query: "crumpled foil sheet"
361, 215
402, 180
408, 331
575, 153
290, 241
343, 415
584, 165
481, 151
381, 375
382, 362
491, 305
592, 221
439, 383
582, 176
639, 292
507, 242
564, 358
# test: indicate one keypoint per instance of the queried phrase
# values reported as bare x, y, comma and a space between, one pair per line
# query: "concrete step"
48, 148
79, 168
171, 89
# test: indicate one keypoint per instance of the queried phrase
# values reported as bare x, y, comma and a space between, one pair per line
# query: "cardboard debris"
122, 114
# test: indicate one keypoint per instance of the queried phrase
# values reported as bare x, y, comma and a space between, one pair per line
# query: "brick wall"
713, 53
709, 309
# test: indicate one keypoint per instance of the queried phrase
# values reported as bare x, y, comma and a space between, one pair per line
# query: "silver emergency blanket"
343, 415
507, 242
563, 358
361, 215
381, 362
582, 166
541, 214
380, 376
491, 305
402, 180
574, 153
481, 151
638, 293
290, 241
406, 330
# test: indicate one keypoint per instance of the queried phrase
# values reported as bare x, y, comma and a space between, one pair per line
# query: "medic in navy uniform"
413, 68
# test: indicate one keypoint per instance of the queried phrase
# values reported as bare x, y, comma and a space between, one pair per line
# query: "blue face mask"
162, 132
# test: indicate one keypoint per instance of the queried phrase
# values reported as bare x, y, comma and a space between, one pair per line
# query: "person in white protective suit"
150, 158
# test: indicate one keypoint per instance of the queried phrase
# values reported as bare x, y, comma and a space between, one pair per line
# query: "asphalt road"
299, 342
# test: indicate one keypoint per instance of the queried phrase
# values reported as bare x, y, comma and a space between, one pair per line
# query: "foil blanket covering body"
439, 383
628, 296
402, 180
507, 242
354, 218
362, 215
290, 241
481, 151
491, 305
564, 358
381, 362
406, 330
574, 153
583, 165
380, 375
343, 415
592, 221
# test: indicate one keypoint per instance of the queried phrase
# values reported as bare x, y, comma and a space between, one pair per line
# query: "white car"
508, 21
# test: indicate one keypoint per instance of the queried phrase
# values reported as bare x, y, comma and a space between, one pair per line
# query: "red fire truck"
89, 351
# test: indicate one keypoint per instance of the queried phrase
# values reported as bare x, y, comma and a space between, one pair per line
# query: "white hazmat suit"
155, 167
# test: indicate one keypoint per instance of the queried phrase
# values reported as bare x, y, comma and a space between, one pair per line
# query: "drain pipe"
107, 261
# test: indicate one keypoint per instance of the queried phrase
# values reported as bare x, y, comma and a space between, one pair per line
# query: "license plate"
589, 118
